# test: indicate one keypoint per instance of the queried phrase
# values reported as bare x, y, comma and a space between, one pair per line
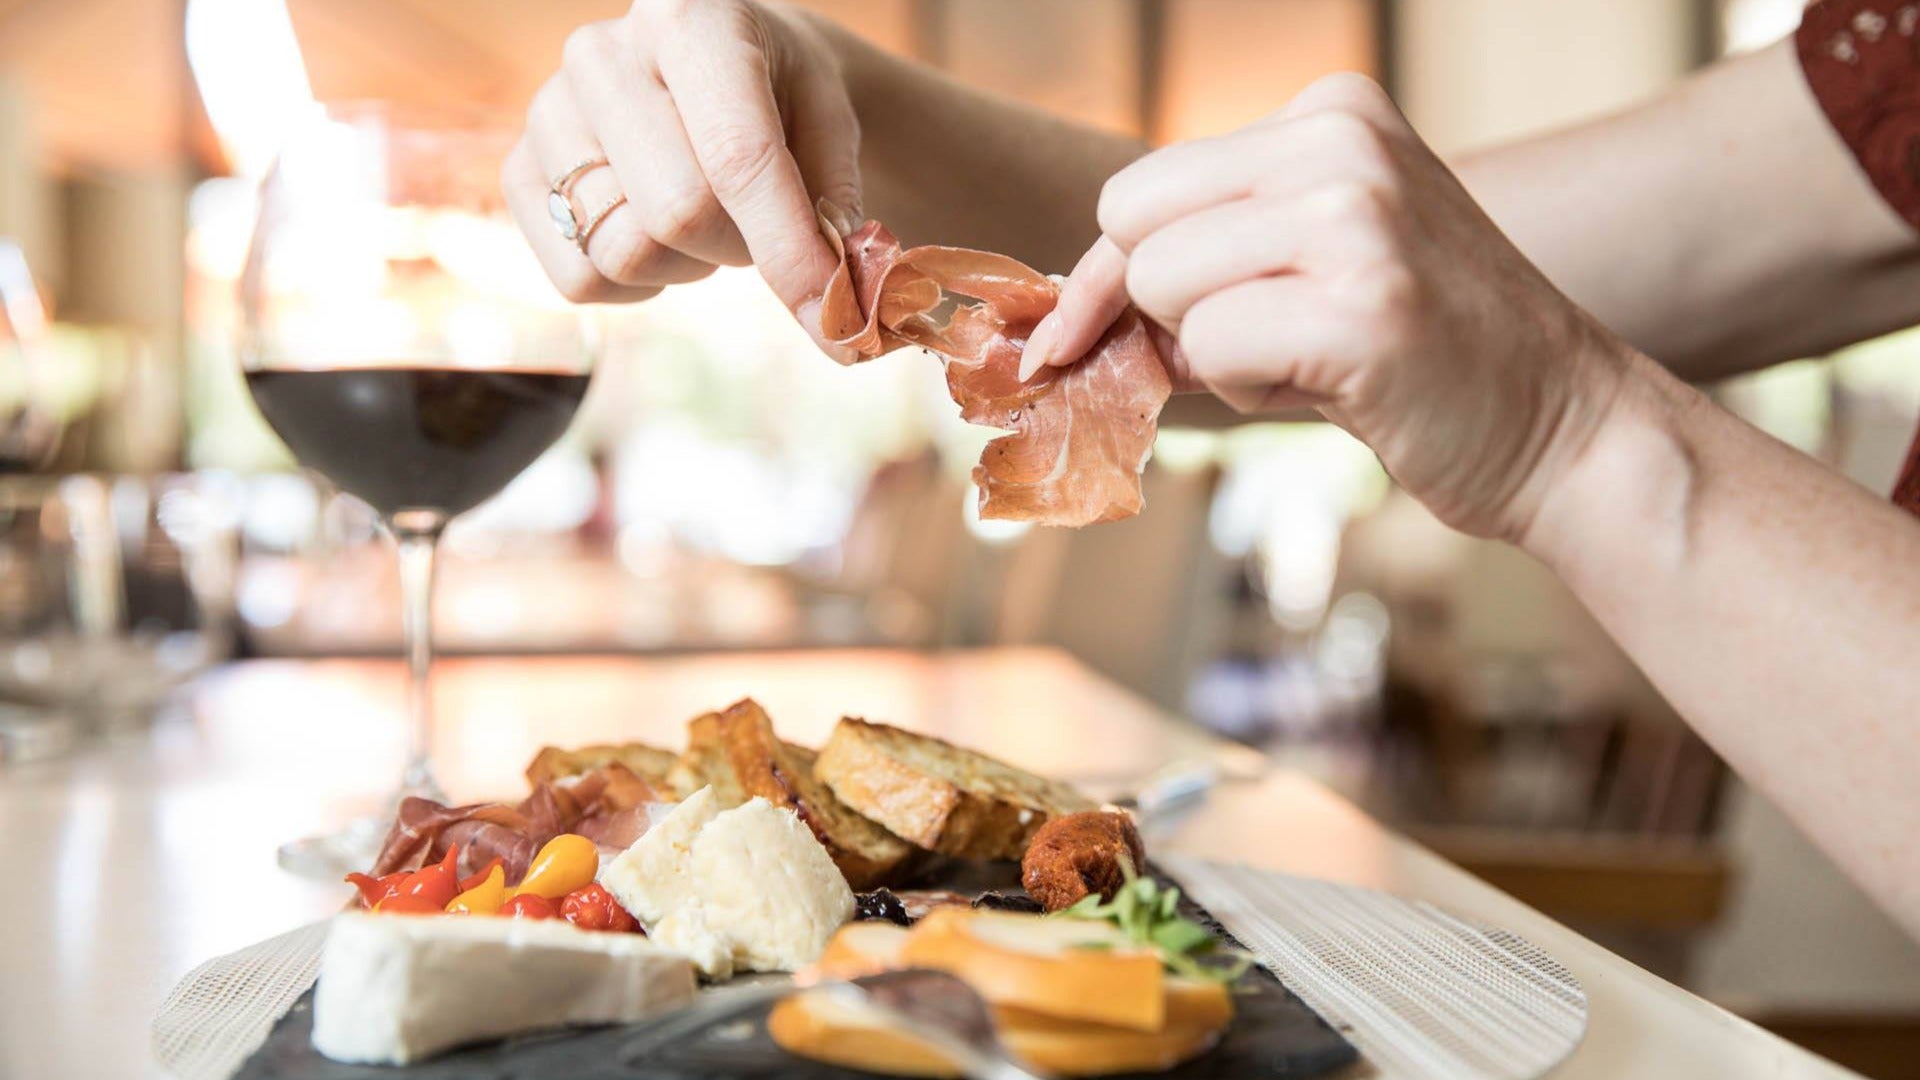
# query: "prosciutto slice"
610, 806
1078, 437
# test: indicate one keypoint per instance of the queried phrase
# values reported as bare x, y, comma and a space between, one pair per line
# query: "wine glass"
401, 340
29, 432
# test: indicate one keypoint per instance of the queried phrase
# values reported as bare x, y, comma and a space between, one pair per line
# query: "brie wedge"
398, 988
746, 889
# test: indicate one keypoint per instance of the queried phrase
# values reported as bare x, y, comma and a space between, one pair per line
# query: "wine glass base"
332, 856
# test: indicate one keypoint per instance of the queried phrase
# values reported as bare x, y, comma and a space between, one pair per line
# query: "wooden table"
139, 858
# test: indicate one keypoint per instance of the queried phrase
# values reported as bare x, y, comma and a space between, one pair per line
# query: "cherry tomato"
375, 889
528, 906
469, 883
592, 907
565, 863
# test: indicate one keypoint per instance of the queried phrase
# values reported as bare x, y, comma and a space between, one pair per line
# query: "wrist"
1629, 484
852, 57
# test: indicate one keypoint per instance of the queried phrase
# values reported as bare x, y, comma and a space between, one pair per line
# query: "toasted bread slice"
737, 753
703, 763
649, 763
1074, 969
938, 795
825, 1029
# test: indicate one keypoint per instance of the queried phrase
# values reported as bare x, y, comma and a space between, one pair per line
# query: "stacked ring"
565, 213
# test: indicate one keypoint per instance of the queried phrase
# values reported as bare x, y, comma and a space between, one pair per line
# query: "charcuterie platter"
736, 909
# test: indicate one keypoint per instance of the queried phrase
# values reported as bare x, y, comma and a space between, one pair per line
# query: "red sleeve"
1862, 62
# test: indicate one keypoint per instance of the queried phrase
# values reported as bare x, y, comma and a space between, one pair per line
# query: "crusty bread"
649, 763
938, 795
738, 754
703, 764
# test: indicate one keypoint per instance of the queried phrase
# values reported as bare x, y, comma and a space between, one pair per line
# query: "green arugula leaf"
1181, 936
1148, 914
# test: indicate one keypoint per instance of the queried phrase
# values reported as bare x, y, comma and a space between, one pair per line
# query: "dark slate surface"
1274, 1034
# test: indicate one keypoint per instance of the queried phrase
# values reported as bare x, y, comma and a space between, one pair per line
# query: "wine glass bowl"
402, 341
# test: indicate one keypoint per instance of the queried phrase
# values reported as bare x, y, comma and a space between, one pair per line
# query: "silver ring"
560, 207
592, 223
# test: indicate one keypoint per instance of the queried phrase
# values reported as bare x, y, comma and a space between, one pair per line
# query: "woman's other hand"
1325, 256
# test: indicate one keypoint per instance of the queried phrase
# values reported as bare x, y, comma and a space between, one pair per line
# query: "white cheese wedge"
747, 889
396, 989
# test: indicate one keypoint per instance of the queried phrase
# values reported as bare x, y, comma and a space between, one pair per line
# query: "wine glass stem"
418, 538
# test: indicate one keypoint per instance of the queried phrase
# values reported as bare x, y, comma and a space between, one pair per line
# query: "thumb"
825, 141
1092, 297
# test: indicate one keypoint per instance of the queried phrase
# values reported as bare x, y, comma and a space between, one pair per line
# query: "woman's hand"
722, 122
1325, 256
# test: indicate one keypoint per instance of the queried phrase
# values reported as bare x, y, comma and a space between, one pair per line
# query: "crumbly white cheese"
743, 889
650, 878
398, 988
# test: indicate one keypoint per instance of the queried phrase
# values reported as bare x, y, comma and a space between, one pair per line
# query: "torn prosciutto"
610, 806
1078, 437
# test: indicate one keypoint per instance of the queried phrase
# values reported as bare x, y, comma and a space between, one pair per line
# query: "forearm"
1721, 228
1775, 604
944, 163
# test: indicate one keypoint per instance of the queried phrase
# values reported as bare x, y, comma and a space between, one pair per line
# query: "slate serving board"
1274, 1035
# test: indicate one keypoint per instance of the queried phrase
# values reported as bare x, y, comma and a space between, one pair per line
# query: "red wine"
417, 438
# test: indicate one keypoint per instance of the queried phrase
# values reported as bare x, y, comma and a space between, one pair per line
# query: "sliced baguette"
940, 796
824, 1029
649, 763
1070, 969
860, 948
1197, 1011
737, 753
703, 763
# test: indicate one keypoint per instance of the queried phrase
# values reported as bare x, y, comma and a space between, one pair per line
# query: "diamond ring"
560, 205
592, 223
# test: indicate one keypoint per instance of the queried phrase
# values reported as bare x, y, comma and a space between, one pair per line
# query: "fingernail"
837, 216
1039, 345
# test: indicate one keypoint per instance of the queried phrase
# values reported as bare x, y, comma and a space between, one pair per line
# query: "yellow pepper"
484, 898
566, 863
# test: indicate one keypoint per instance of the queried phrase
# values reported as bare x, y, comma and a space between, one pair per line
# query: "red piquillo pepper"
428, 888
375, 889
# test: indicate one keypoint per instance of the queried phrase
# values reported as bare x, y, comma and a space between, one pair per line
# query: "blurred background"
727, 488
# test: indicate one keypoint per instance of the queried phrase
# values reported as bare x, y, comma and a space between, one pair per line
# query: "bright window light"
251, 77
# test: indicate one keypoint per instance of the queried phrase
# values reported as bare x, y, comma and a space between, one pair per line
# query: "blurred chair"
1140, 600
906, 546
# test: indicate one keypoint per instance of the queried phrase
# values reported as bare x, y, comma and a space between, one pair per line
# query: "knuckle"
1349, 133
1146, 284
587, 46
513, 167
1357, 203
1200, 335
1386, 292
1118, 211
1348, 88
577, 282
621, 251
663, 10
543, 102
684, 215
738, 155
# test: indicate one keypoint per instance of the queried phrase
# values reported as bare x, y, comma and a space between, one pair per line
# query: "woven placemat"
1421, 993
